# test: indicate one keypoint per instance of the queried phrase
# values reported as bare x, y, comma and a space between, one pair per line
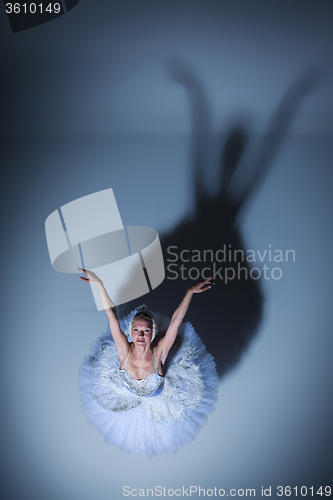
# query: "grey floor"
104, 123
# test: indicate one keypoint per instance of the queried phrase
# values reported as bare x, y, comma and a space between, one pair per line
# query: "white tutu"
164, 421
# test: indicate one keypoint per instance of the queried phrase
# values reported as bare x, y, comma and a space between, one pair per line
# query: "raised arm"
119, 337
167, 341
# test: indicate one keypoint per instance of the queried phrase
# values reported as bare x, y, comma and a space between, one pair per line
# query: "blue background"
90, 101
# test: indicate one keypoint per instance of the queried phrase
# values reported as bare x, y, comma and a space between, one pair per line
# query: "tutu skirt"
160, 423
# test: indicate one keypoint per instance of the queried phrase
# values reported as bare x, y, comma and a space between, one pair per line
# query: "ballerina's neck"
141, 352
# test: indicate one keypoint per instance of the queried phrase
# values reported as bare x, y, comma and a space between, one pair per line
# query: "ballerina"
149, 383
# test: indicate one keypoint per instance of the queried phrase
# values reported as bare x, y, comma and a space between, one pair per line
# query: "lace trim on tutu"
150, 425
145, 387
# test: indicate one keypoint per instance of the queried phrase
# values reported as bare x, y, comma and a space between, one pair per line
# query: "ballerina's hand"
202, 286
92, 278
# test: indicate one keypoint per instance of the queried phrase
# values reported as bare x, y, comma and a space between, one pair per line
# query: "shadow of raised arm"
227, 317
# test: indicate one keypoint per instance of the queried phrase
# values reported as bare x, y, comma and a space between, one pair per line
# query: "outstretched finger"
208, 285
206, 282
85, 272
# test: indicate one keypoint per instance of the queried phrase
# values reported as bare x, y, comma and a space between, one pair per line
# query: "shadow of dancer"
228, 318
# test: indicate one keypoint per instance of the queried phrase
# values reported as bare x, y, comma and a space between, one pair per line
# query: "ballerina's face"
141, 331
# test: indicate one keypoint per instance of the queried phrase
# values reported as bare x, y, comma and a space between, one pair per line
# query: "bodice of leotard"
148, 386
156, 414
